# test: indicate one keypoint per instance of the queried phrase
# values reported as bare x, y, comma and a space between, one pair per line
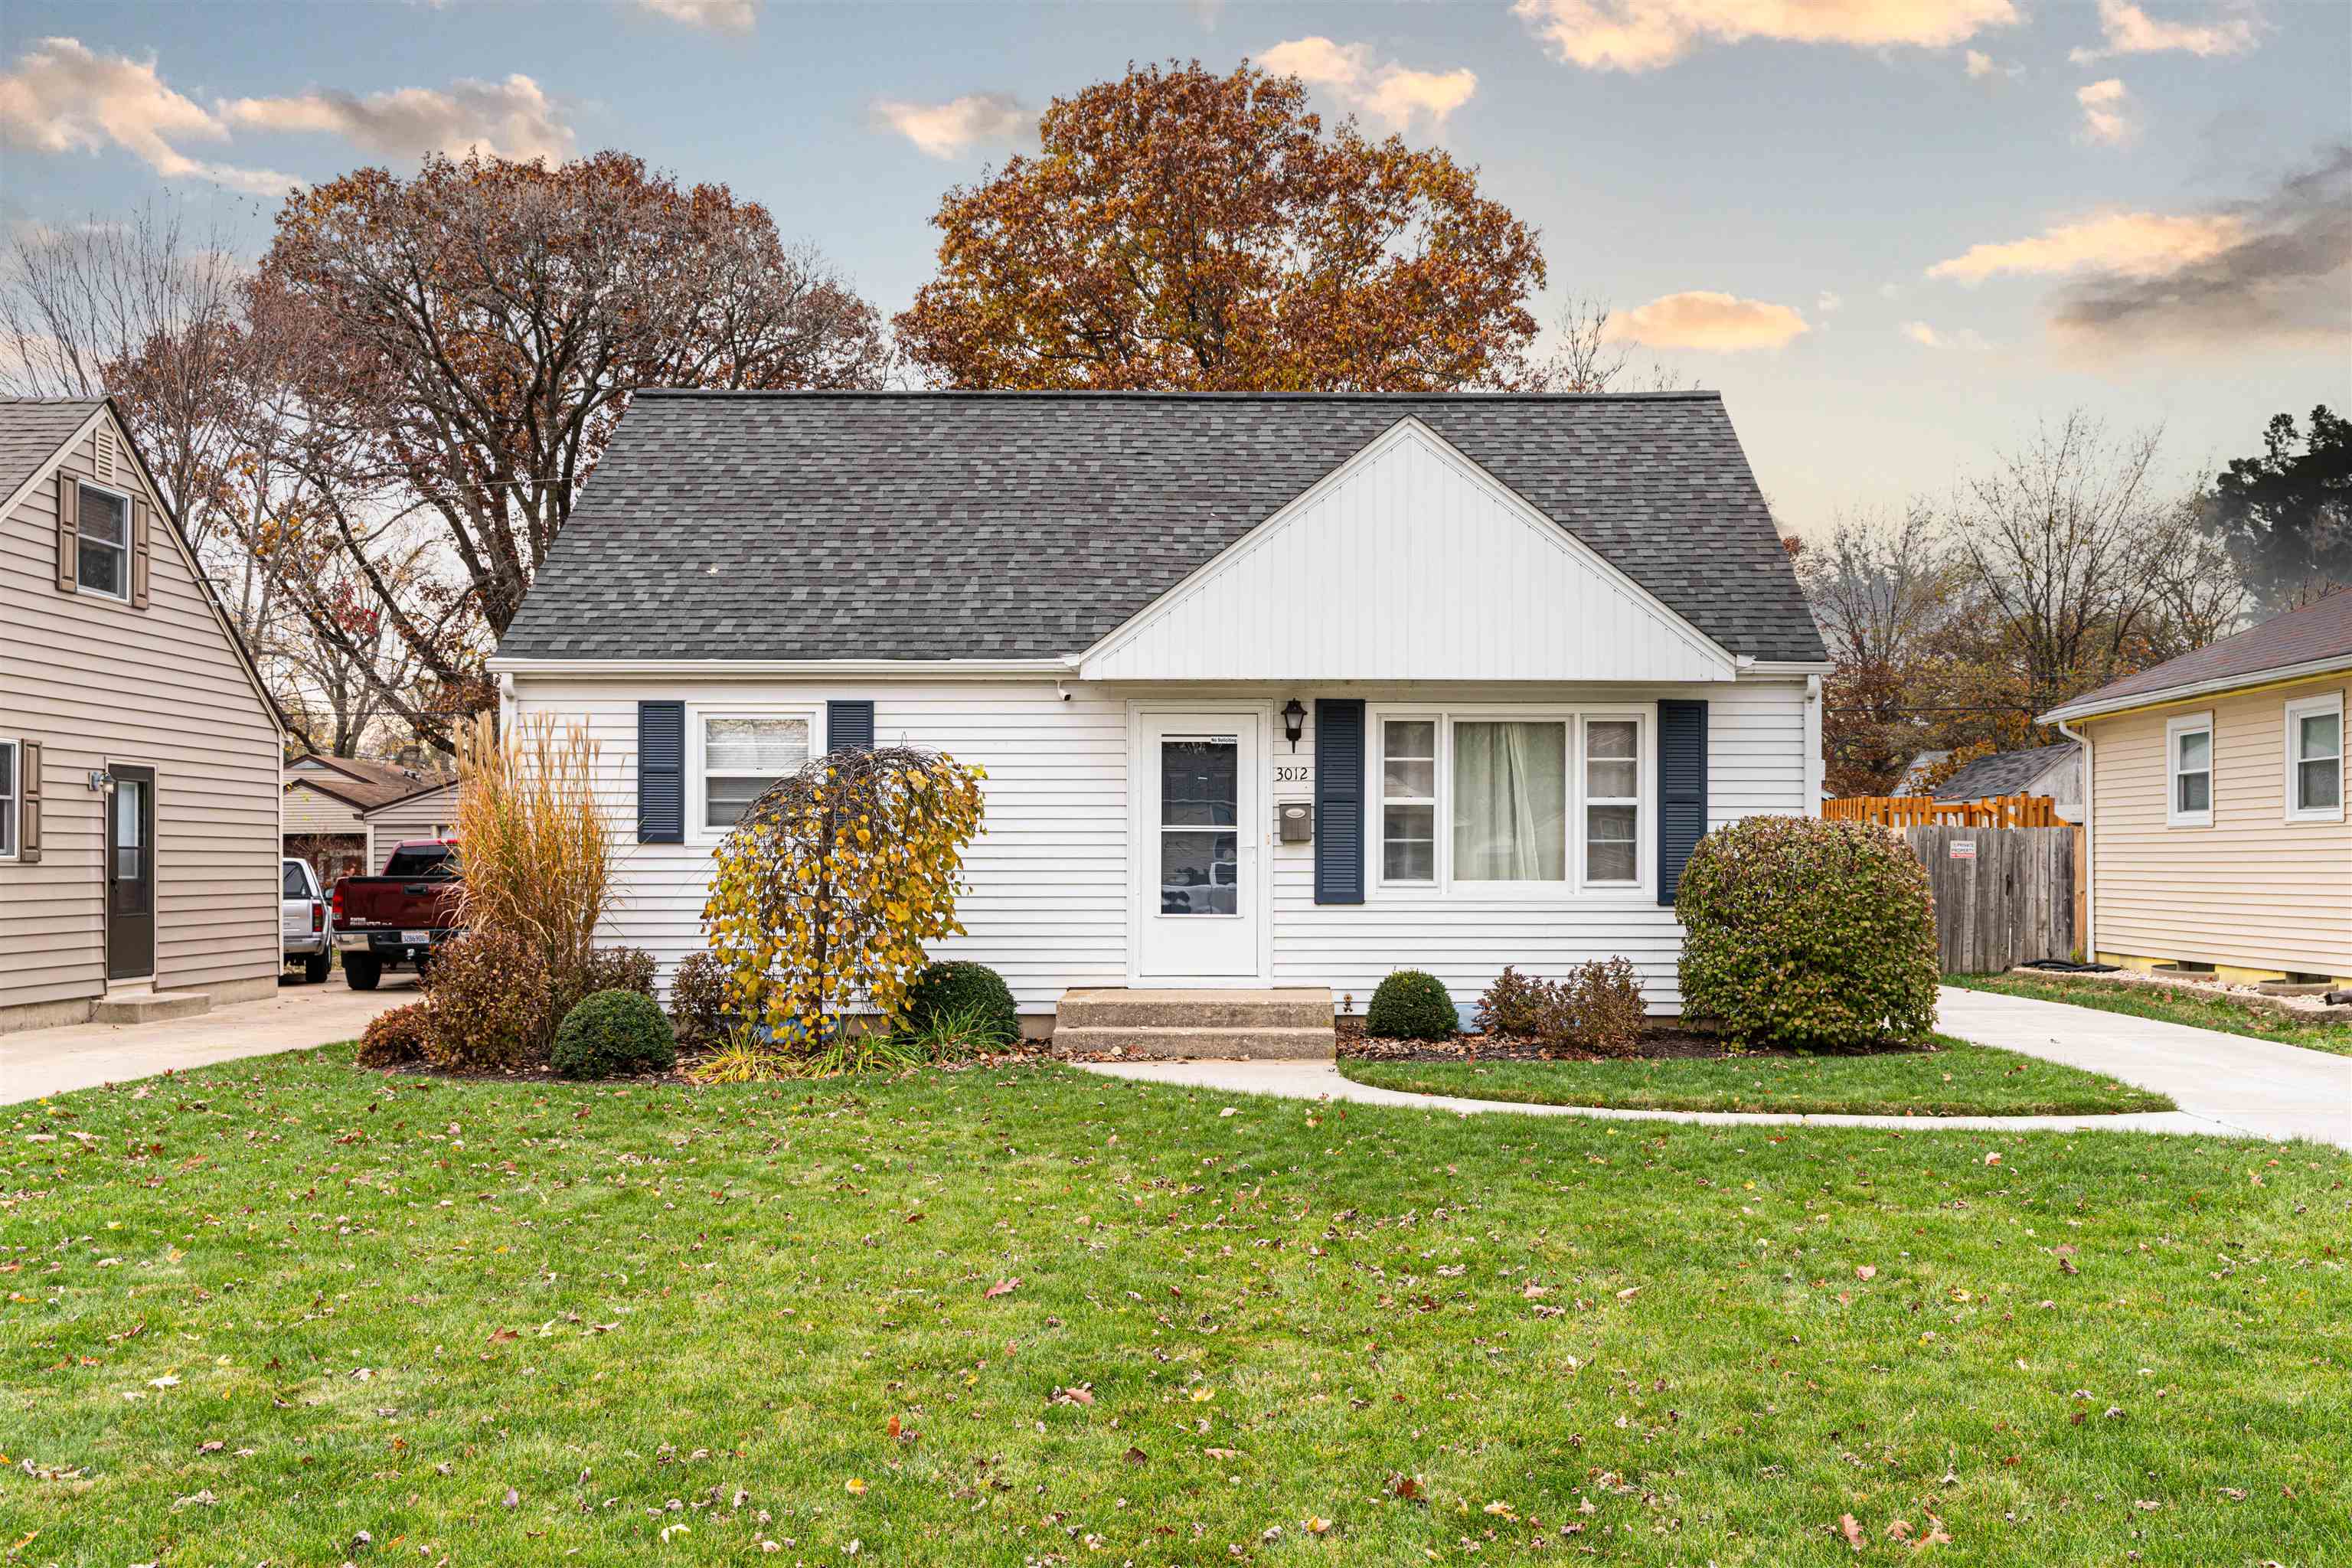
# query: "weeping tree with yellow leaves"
826, 890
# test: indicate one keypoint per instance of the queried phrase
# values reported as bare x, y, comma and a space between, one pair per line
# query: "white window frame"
12, 799
1577, 886
2297, 709
2190, 724
1439, 748
699, 829
1583, 823
128, 546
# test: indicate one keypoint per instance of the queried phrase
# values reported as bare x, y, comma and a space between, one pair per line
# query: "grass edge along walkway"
2169, 1006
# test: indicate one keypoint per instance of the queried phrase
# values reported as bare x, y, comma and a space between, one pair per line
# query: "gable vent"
104, 462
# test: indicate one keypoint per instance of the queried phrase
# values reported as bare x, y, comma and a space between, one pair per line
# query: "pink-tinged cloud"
2108, 116
1711, 322
64, 97
2129, 30
1642, 35
946, 129
1390, 93
717, 16
2127, 244
510, 118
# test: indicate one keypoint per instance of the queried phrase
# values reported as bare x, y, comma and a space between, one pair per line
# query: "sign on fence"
2003, 895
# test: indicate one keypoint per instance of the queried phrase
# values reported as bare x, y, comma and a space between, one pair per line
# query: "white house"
1272, 691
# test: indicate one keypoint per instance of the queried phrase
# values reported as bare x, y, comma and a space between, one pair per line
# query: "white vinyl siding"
99, 683
1049, 877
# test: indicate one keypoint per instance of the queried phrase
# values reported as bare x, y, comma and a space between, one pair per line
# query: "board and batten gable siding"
1359, 580
2252, 890
98, 681
1049, 900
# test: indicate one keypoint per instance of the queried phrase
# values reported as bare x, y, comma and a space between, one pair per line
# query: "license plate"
417, 938
352, 943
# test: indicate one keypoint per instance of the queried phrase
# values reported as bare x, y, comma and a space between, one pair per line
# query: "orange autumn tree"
1181, 230
823, 894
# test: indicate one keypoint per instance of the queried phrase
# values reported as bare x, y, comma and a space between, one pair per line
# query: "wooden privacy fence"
2003, 895
1922, 811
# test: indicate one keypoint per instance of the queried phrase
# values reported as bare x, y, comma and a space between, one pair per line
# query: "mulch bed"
1665, 1040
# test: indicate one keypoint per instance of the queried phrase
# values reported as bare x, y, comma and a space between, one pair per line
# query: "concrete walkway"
2226, 1085
38, 1062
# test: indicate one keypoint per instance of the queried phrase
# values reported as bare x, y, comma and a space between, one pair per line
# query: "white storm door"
1198, 857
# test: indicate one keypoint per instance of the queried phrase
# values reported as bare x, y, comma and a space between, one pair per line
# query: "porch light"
1294, 721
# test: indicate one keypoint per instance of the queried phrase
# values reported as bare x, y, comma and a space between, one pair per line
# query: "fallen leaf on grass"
1865, 1270
1851, 1527
1071, 1396
1407, 1486
1315, 1524
1002, 1288
854, 1487
500, 1336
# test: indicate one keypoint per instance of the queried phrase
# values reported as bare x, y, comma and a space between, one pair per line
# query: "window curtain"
1510, 802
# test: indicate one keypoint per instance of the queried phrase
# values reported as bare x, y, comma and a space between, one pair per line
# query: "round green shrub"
612, 1032
1412, 1005
1804, 932
966, 992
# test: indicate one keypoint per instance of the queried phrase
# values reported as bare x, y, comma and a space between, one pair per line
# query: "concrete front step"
1299, 1008
149, 1007
1162, 1043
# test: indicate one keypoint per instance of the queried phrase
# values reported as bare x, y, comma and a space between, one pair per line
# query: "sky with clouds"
1893, 232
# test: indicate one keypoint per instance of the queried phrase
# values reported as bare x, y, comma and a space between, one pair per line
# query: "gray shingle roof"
1012, 525
2322, 630
32, 430
2004, 772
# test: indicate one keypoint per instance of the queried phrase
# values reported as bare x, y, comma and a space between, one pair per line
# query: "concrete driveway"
38, 1062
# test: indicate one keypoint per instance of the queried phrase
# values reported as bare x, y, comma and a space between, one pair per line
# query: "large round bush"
972, 992
1411, 1004
1804, 932
613, 1033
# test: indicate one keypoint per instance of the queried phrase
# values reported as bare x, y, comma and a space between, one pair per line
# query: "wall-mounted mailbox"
1295, 819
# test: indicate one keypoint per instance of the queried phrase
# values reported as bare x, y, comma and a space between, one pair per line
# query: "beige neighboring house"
139, 750
2215, 792
344, 811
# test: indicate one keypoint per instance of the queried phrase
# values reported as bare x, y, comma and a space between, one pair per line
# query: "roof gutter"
2250, 680
942, 668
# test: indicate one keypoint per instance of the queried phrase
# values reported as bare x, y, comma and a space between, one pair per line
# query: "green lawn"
1962, 1079
255, 1311
2172, 1006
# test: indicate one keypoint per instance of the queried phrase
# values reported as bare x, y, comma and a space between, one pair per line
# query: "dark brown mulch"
1663, 1040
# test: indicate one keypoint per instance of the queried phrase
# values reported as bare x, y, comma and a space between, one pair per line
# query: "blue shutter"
1682, 790
661, 772
849, 726
1339, 801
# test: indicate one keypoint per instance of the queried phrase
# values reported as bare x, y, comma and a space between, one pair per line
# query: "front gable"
1408, 563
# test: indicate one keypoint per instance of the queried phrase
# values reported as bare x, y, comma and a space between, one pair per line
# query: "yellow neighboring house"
2215, 796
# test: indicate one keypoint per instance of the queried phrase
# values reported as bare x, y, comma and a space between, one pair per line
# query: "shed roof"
1030, 525
2004, 772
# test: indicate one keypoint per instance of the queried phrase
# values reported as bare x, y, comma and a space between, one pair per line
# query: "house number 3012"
1293, 773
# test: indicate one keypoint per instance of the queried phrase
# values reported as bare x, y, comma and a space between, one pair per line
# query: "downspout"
2090, 828
505, 702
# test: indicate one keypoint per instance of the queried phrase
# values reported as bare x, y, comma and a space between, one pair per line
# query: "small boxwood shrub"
395, 1038
1412, 1005
489, 1004
613, 1033
1805, 932
971, 994
700, 1000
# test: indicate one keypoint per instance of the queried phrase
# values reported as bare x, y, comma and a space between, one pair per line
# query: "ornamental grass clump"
537, 848
826, 890
1810, 933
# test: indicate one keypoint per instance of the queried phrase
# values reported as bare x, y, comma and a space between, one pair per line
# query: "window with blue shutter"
661, 772
1338, 800
849, 726
1682, 789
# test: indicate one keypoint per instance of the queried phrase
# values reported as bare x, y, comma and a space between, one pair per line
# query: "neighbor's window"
742, 754
1409, 800
104, 566
2190, 741
8, 799
2315, 758
1524, 800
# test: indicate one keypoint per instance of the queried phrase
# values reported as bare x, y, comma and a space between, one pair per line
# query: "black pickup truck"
384, 922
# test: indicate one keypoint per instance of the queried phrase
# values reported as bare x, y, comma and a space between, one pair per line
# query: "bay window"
1542, 801
739, 755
